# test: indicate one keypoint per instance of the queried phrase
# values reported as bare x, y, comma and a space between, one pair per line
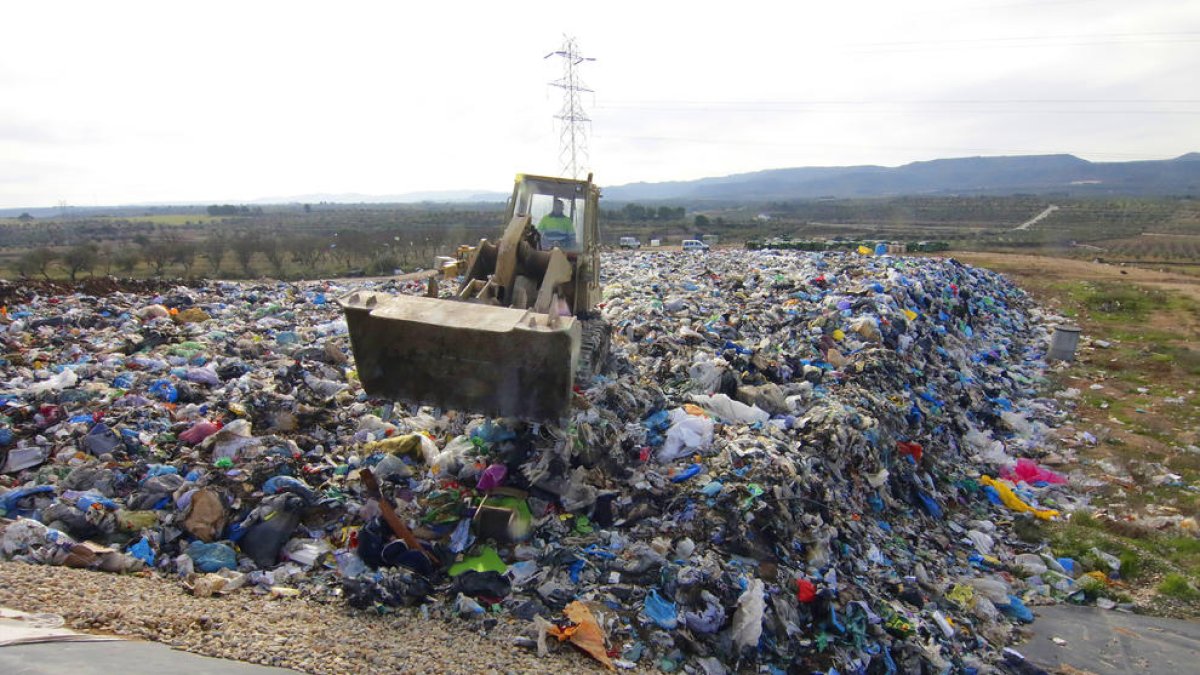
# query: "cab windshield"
536, 198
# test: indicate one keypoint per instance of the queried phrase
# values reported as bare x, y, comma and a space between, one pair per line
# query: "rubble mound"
24, 290
791, 462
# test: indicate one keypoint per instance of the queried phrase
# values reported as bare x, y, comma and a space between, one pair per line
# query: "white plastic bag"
64, 380
706, 373
687, 434
747, 620
730, 410
983, 541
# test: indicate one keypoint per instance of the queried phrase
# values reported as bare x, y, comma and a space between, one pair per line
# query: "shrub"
1177, 586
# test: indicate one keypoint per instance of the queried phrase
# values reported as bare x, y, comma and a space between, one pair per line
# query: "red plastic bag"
805, 591
913, 449
1028, 471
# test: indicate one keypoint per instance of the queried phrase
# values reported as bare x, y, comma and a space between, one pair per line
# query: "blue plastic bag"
211, 557
8, 500
493, 433
143, 552
1016, 610
89, 499
164, 391
688, 473
277, 484
661, 611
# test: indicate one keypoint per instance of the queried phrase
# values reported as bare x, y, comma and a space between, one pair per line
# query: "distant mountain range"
1020, 174
1036, 174
1024, 174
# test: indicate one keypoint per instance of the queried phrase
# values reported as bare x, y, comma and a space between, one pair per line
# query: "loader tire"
593, 350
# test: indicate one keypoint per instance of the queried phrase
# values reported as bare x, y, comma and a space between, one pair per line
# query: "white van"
694, 245
630, 242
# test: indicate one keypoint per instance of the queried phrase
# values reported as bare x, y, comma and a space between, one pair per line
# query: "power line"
572, 118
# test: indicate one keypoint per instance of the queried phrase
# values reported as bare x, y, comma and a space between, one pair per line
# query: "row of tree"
232, 210
247, 254
636, 213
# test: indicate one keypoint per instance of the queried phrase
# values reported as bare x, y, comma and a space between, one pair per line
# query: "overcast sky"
129, 102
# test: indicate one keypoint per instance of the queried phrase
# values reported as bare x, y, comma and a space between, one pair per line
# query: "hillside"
1036, 174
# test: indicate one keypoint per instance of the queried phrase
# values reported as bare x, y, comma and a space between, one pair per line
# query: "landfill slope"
801, 461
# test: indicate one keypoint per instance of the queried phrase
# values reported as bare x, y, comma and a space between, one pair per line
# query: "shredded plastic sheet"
585, 634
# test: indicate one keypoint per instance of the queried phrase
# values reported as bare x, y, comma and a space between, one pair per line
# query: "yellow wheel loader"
522, 329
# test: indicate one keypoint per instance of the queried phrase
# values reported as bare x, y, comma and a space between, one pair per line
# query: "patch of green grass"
1142, 552
1184, 358
1077, 541
1141, 337
1131, 565
1186, 464
1182, 303
1164, 437
1085, 519
1184, 552
1177, 586
1115, 301
1184, 501
1187, 545
1122, 415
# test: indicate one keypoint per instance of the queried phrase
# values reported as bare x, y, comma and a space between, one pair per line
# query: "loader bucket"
462, 355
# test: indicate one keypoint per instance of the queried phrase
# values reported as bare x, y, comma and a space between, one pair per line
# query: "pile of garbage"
795, 462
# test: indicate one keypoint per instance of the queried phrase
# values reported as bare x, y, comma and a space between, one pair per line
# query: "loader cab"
534, 196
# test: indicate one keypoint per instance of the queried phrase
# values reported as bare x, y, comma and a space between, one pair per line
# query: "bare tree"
184, 253
244, 249
106, 257
80, 258
214, 250
38, 260
308, 251
340, 251
25, 266
157, 254
353, 246
273, 251
126, 261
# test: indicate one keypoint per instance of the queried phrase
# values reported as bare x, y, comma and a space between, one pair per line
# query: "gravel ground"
295, 633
